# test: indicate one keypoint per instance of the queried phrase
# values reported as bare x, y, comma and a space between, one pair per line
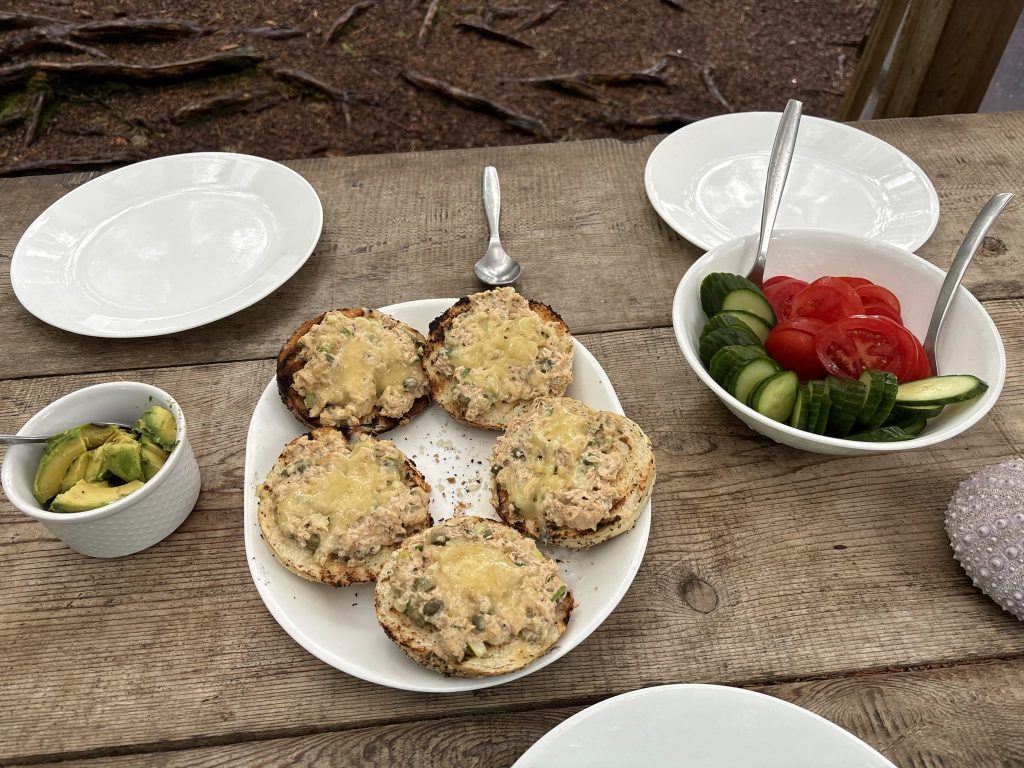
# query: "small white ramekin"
133, 523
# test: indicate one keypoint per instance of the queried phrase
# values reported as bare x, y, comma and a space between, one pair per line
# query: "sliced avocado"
75, 472
120, 436
122, 460
83, 495
61, 451
157, 425
96, 435
153, 457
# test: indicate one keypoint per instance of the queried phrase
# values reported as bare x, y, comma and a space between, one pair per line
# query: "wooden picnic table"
826, 581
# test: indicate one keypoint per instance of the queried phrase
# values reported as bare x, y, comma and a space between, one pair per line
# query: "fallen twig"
486, 31
480, 103
675, 4
226, 104
707, 75
487, 12
342, 21
662, 120
70, 164
23, 20
306, 80
34, 120
176, 70
428, 19
565, 83
134, 30
274, 33
540, 18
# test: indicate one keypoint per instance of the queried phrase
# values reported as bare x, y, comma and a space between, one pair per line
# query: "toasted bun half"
326, 529
467, 583
308, 365
571, 475
493, 351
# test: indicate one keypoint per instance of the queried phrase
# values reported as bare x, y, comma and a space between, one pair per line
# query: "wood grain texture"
401, 227
765, 564
964, 717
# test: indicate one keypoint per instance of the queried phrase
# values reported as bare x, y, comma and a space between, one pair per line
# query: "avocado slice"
75, 472
61, 451
152, 457
122, 460
120, 436
157, 425
96, 435
83, 495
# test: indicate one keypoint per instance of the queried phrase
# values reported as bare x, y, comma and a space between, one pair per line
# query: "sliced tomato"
780, 296
856, 281
848, 346
776, 279
828, 299
882, 310
873, 294
919, 369
791, 344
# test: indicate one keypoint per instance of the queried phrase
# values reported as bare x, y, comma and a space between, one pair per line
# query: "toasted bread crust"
335, 572
416, 641
290, 362
441, 386
624, 513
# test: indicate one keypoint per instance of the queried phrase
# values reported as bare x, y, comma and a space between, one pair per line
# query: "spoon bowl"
496, 267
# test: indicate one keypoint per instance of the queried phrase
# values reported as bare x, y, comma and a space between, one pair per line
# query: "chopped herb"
464, 373
347, 331
559, 594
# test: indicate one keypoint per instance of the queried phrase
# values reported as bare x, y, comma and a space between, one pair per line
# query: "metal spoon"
964, 254
496, 267
23, 439
778, 170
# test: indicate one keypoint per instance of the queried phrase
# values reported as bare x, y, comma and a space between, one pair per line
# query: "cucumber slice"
882, 435
757, 324
818, 405
848, 397
724, 320
744, 379
775, 396
747, 300
913, 425
798, 418
916, 411
940, 390
889, 386
727, 358
715, 286
874, 381
724, 337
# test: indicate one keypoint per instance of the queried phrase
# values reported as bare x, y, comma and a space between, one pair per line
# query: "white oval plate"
166, 245
339, 625
699, 726
707, 179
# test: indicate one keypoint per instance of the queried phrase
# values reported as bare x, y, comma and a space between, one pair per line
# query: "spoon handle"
492, 199
969, 246
778, 170
20, 439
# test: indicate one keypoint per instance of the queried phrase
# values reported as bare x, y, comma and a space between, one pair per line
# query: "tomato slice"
882, 310
791, 344
848, 346
874, 294
829, 299
856, 281
776, 279
920, 369
780, 296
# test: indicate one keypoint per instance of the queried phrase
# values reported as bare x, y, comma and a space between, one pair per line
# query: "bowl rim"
30, 506
689, 350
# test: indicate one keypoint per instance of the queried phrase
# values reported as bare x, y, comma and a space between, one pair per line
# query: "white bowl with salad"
826, 355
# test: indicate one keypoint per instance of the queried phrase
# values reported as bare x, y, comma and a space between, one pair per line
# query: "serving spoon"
23, 439
968, 247
778, 170
496, 267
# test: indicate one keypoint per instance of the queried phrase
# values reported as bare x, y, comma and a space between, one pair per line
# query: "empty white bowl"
133, 523
969, 342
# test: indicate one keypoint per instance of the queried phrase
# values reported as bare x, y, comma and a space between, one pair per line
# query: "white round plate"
339, 625
166, 245
706, 181
699, 726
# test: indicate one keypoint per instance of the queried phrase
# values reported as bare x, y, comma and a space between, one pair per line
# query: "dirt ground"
273, 80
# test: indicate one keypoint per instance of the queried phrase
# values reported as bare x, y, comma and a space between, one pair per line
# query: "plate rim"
183, 324
672, 692
442, 684
842, 128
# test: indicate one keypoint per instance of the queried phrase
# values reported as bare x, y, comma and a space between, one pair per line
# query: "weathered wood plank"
765, 564
913, 718
401, 227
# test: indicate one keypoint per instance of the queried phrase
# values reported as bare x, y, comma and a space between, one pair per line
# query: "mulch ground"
94, 84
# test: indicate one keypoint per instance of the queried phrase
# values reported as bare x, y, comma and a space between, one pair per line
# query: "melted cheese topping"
467, 570
498, 344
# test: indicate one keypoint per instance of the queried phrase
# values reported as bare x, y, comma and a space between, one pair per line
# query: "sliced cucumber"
775, 396
727, 358
743, 379
940, 390
914, 425
753, 301
916, 411
724, 320
874, 381
818, 405
755, 323
724, 337
882, 435
888, 385
848, 397
714, 287
798, 418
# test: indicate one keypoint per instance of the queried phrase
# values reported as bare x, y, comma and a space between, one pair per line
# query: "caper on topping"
439, 539
432, 607
313, 543
478, 620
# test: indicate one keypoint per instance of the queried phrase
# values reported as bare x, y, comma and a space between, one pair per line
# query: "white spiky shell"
985, 523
